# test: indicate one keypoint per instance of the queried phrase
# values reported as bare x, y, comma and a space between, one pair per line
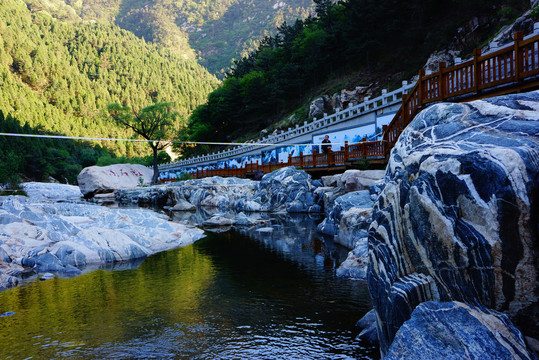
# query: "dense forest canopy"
60, 76
215, 31
386, 36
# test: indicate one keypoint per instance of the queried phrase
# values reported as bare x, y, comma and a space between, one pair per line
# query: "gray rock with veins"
457, 331
457, 218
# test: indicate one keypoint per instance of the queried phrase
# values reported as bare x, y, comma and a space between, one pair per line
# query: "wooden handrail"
508, 67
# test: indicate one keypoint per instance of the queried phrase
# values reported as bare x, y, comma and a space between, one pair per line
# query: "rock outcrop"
457, 331
349, 218
104, 179
338, 101
211, 192
457, 218
286, 189
317, 107
348, 199
65, 237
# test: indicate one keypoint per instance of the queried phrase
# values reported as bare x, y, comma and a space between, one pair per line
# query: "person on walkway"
325, 149
327, 146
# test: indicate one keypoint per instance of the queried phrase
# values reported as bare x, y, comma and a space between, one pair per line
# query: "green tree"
153, 123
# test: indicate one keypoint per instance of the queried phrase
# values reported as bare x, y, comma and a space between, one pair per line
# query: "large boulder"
104, 179
316, 109
457, 331
355, 180
457, 218
285, 189
356, 264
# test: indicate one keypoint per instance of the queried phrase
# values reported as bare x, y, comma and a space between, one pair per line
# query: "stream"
236, 294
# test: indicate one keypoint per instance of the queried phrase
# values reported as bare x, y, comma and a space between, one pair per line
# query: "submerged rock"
457, 218
46, 276
367, 324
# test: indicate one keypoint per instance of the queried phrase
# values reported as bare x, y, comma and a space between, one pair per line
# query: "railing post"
476, 70
518, 56
385, 139
441, 82
420, 88
289, 159
314, 158
346, 151
364, 148
404, 113
301, 159
329, 155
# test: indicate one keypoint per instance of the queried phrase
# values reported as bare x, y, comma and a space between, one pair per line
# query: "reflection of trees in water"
103, 307
292, 235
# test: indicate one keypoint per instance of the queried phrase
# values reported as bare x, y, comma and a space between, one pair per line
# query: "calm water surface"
234, 295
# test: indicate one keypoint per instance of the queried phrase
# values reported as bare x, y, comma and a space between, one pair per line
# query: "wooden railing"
511, 69
365, 150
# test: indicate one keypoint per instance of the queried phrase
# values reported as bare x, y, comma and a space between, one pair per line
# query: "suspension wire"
167, 141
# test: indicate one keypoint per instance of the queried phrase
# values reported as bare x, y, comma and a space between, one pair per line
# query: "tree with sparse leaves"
155, 122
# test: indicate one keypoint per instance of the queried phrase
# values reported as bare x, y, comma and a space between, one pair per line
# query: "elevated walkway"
511, 69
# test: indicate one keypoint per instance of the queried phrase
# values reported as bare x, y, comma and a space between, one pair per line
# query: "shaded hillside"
60, 76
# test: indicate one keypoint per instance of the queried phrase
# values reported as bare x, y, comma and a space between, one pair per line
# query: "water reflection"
224, 297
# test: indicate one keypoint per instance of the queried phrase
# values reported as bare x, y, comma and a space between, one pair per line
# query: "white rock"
69, 234
354, 180
51, 191
218, 220
97, 179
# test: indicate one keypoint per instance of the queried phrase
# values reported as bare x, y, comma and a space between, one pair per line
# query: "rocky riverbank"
345, 199
52, 230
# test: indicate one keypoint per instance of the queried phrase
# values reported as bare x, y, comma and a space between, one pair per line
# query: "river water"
241, 294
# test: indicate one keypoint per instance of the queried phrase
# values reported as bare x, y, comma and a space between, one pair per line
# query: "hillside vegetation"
365, 36
60, 76
215, 31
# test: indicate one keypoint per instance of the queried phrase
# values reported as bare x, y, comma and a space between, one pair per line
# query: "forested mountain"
365, 36
215, 30
60, 76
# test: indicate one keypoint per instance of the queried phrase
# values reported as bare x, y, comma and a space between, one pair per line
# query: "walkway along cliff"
512, 69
